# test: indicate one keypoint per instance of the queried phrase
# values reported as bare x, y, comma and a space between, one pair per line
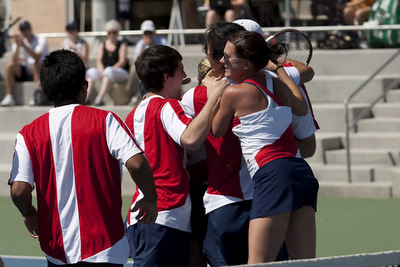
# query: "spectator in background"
123, 8
226, 10
28, 51
112, 63
149, 38
75, 43
356, 12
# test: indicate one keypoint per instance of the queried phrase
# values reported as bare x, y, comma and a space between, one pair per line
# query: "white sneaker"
8, 100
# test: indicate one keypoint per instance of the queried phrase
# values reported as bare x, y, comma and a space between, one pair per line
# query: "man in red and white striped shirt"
73, 155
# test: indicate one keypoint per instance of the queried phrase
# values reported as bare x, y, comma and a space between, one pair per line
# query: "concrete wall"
44, 15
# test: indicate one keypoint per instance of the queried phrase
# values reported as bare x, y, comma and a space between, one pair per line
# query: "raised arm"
306, 72
197, 131
224, 116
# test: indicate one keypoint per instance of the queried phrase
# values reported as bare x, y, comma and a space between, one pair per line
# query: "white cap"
148, 25
250, 25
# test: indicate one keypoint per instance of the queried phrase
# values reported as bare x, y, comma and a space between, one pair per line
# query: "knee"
10, 66
108, 73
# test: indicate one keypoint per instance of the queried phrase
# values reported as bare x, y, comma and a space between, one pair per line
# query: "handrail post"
348, 156
355, 120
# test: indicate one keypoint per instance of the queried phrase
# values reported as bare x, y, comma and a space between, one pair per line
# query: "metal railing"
265, 30
353, 123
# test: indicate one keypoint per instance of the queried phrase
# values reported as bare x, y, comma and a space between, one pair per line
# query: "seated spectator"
356, 12
112, 64
226, 10
28, 51
149, 38
75, 43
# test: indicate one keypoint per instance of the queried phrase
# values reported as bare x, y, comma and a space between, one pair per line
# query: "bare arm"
21, 195
307, 146
197, 131
84, 54
225, 114
306, 72
289, 98
141, 174
122, 56
99, 64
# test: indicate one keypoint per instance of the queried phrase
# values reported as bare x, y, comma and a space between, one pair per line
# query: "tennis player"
73, 156
284, 201
165, 133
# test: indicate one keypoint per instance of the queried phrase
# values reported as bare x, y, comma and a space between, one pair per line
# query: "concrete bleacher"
375, 144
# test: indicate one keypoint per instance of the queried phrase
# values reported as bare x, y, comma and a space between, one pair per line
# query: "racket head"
300, 47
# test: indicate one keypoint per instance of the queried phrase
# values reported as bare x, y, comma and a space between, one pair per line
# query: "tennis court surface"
381, 259
20, 261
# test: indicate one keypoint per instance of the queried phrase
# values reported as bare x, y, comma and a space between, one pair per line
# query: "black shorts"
25, 75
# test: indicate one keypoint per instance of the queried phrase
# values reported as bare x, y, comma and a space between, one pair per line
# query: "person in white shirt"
28, 51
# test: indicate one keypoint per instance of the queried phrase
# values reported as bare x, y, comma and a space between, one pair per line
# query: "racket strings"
298, 44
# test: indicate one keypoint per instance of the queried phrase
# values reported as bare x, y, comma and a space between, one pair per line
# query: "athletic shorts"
226, 240
283, 185
198, 219
158, 245
85, 264
25, 75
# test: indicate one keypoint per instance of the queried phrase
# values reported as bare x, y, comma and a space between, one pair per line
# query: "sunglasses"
112, 33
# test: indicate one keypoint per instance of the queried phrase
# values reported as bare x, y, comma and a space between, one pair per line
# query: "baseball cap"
148, 25
250, 25
72, 26
24, 25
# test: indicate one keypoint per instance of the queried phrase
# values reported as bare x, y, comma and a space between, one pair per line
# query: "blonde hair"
113, 25
204, 69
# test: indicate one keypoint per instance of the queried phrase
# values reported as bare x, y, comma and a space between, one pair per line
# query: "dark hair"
251, 46
62, 75
154, 62
217, 35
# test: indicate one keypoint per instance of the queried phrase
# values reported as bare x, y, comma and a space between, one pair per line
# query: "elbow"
216, 134
20, 189
191, 145
307, 153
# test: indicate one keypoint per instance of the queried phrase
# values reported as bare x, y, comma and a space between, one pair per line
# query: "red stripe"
224, 156
281, 148
265, 90
37, 139
199, 98
98, 185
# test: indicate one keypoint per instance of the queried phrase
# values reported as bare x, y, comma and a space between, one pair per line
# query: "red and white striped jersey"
158, 124
73, 155
228, 178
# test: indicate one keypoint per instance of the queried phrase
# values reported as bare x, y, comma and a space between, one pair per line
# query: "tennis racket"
300, 47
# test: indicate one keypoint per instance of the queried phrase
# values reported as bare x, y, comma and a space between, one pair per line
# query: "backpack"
384, 12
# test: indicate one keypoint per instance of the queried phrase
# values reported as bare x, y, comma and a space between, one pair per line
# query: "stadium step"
356, 189
364, 156
379, 125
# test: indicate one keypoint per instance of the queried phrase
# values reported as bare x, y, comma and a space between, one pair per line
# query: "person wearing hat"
75, 43
112, 63
149, 38
28, 51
